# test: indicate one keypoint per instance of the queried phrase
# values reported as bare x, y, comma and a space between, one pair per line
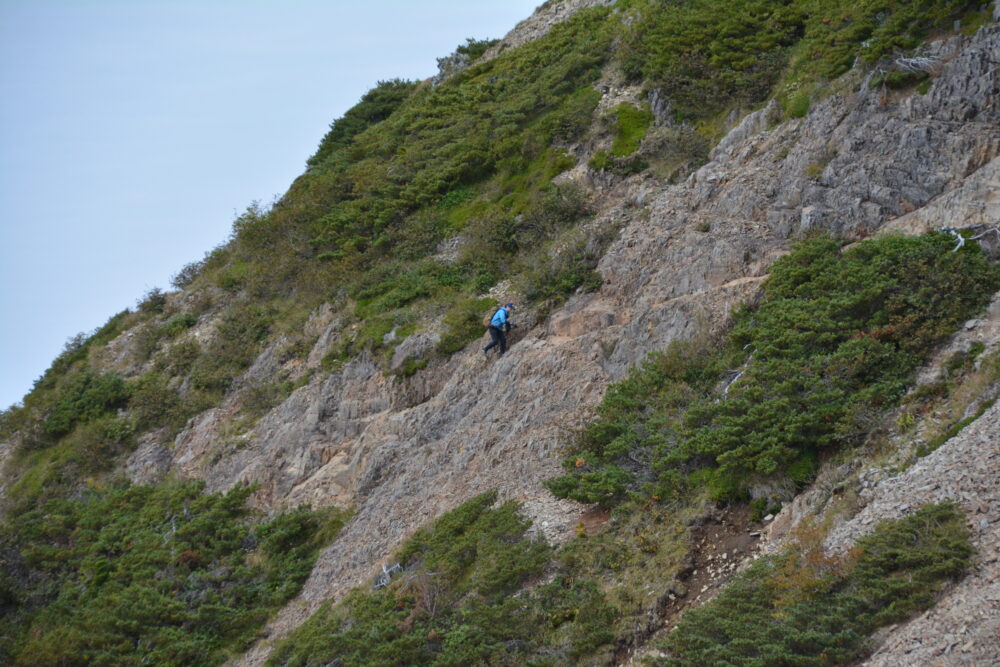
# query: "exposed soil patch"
593, 519
721, 543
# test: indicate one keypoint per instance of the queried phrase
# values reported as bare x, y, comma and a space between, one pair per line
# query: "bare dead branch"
739, 373
960, 240
383, 578
917, 63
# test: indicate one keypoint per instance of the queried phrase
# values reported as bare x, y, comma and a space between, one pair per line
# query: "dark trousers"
499, 338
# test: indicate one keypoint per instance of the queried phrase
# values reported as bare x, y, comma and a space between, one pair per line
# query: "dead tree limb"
739, 373
960, 240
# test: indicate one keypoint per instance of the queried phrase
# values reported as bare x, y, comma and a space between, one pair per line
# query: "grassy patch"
631, 125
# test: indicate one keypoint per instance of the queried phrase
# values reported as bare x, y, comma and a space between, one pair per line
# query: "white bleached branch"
917, 63
739, 373
960, 240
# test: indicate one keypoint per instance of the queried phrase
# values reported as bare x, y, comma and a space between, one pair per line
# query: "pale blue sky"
132, 132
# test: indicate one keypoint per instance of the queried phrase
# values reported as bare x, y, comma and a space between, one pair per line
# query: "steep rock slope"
963, 626
403, 452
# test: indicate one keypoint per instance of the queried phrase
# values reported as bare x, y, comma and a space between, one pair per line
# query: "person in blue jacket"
499, 326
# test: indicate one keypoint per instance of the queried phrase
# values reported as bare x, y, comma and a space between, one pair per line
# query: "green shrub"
569, 123
75, 352
167, 575
833, 344
553, 208
178, 324
241, 330
179, 358
453, 604
411, 367
600, 161
463, 323
261, 398
797, 106
548, 280
474, 48
188, 274
709, 57
375, 106
153, 302
606, 486
85, 397
837, 335
807, 609
398, 173
151, 401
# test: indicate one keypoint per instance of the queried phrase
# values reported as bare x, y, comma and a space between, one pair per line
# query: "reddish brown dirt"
593, 519
720, 542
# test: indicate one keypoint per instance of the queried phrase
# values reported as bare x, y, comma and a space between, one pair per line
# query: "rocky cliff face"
403, 451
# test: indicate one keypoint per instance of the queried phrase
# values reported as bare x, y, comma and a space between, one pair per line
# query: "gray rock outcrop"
549, 14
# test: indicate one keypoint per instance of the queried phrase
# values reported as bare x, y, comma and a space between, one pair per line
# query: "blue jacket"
499, 318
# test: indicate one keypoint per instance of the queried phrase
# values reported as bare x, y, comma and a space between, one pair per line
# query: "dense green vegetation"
140, 575
388, 180
470, 593
454, 604
708, 56
832, 345
805, 608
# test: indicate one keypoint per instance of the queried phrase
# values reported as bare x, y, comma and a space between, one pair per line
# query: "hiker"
499, 325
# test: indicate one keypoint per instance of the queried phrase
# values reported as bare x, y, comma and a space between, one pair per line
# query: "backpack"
488, 318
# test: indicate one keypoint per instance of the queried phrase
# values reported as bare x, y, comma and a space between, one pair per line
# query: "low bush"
555, 278
261, 398
178, 324
452, 604
151, 400
711, 57
188, 274
241, 330
168, 576
832, 345
83, 398
804, 608
463, 323
153, 302
474, 48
